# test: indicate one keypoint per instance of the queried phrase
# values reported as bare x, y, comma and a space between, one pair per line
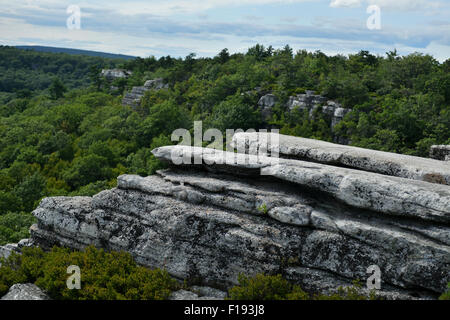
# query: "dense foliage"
262, 287
446, 295
14, 226
24, 73
104, 275
267, 287
63, 130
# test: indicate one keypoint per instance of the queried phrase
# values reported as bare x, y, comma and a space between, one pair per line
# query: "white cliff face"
319, 225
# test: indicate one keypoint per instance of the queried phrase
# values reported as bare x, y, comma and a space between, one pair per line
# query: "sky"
205, 27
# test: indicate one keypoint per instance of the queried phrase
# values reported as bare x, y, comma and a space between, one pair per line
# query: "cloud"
395, 5
171, 7
150, 27
408, 5
345, 3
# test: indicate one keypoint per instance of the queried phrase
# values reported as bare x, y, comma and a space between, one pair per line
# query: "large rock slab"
385, 163
321, 226
385, 194
209, 228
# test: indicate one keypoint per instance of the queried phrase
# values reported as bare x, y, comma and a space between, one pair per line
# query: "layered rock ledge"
321, 226
385, 163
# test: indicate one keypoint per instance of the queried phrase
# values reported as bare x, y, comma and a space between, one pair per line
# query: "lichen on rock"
329, 215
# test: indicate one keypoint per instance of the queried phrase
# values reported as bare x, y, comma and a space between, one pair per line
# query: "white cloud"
407, 5
398, 5
345, 3
171, 7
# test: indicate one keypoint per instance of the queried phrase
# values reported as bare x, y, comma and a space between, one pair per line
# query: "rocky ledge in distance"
321, 226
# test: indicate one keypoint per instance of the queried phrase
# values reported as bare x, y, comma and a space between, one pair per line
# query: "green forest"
64, 131
27, 73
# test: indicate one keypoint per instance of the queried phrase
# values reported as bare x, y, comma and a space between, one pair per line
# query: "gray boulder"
25, 291
198, 293
112, 74
183, 295
8, 249
155, 84
440, 152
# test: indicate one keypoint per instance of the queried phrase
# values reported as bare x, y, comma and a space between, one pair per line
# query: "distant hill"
33, 70
76, 51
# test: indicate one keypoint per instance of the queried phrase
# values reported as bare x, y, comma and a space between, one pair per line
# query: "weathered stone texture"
319, 225
25, 291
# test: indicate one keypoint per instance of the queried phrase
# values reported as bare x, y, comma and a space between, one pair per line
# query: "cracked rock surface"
319, 225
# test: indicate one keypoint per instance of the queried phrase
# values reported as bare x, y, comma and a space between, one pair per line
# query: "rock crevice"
319, 225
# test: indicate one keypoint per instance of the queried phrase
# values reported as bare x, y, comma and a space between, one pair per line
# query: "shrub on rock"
267, 287
104, 275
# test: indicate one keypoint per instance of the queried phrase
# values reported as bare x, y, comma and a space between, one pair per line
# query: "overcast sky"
179, 27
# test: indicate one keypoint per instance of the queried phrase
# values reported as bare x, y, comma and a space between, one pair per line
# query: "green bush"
14, 227
262, 287
104, 275
347, 293
446, 295
267, 287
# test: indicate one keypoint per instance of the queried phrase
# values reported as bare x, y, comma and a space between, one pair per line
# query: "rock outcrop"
440, 152
319, 224
266, 103
112, 74
25, 291
306, 100
134, 97
198, 293
6, 250
309, 102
